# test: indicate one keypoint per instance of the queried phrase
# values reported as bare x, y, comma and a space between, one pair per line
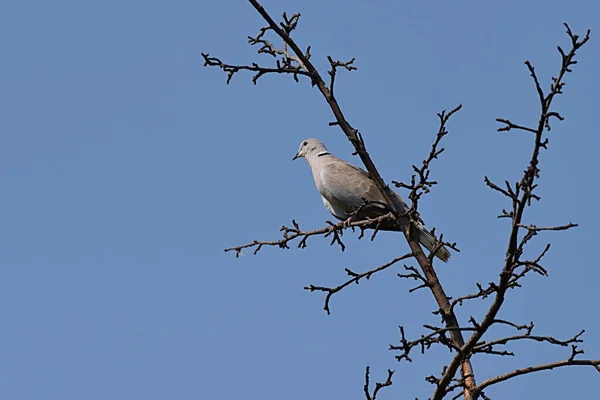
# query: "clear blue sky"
126, 168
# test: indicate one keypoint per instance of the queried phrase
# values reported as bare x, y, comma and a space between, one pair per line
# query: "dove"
346, 189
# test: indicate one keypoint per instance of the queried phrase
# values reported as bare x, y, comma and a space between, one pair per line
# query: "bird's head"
311, 148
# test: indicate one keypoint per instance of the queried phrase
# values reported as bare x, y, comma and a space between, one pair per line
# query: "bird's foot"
347, 223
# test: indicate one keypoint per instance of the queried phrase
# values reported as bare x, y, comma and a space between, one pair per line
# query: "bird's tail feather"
427, 240
425, 237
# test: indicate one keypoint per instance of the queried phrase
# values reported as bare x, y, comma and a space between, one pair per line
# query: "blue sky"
127, 167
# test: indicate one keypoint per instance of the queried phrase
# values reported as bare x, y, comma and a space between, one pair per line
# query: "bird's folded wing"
349, 184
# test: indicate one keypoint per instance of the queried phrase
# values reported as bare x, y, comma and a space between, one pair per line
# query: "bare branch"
482, 293
416, 275
426, 341
508, 192
417, 189
535, 228
232, 69
292, 233
526, 327
378, 385
509, 125
334, 66
356, 277
486, 347
508, 277
529, 370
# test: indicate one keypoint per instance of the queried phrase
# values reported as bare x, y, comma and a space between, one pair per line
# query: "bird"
348, 191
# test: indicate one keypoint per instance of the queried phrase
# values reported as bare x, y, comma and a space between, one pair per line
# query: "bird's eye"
304, 144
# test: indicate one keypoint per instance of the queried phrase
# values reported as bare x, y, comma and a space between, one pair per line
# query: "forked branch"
521, 195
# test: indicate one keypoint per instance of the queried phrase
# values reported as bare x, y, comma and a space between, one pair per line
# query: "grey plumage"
345, 188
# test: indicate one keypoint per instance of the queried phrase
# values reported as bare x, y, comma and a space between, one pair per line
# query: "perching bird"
345, 189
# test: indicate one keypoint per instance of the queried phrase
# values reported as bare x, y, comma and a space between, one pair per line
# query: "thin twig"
356, 277
536, 368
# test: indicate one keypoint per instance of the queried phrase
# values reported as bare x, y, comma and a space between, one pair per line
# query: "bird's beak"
296, 156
